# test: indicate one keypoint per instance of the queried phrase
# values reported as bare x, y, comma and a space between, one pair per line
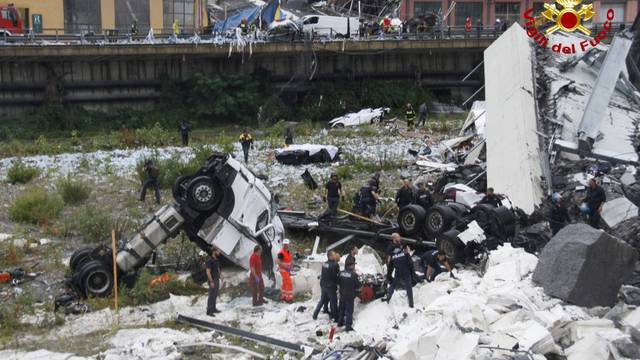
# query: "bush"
73, 191
95, 224
153, 136
20, 173
36, 206
170, 169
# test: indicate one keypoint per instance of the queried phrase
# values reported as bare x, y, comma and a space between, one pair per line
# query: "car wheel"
411, 219
339, 126
449, 244
79, 258
438, 219
96, 279
180, 187
204, 193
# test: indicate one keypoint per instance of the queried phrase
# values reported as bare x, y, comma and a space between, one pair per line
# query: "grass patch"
73, 191
20, 173
36, 206
94, 224
175, 166
353, 165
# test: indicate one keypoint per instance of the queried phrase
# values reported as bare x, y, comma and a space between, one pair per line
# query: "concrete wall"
156, 14
52, 12
105, 76
108, 14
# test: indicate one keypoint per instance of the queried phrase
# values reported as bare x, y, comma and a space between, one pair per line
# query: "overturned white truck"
223, 204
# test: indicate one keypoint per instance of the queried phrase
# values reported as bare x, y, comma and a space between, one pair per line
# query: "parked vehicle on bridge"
330, 26
10, 20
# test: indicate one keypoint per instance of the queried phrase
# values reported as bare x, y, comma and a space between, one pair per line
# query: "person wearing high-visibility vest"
467, 25
176, 28
285, 264
410, 115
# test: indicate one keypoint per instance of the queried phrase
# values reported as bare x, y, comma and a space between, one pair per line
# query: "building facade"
98, 16
488, 11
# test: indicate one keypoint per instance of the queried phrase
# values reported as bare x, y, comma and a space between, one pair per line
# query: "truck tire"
79, 258
481, 213
439, 219
502, 223
204, 193
411, 219
96, 279
179, 188
449, 244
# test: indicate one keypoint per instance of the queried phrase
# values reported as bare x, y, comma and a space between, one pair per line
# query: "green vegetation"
354, 164
36, 206
20, 173
73, 191
95, 223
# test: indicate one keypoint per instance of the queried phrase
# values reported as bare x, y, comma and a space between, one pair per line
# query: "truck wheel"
411, 219
439, 219
481, 213
180, 187
204, 193
449, 244
502, 223
96, 279
79, 258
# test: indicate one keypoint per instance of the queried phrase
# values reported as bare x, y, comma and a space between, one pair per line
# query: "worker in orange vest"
467, 25
285, 264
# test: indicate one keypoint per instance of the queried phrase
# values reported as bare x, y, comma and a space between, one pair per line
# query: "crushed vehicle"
364, 116
307, 154
223, 204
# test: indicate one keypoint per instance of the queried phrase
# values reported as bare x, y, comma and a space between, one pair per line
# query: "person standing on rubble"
256, 283
333, 194
410, 116
368, 199
349, 286
285, 265
184, 132
558, 214
152, 172
213, 277
423, 197
406, 194
435, 262
423, 110
491, 198
353, 251
400, 261
594, 200
329, 287
288, 137
246, 140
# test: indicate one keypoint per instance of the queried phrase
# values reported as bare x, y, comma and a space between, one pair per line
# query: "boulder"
584, 266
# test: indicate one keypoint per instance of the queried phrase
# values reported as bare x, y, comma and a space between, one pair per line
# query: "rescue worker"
423, 197
285, 265
368, 199
349, 287
406, 194
176, 28
375, 182
400, 261
329, 286
594, 200
246, 140
213, 277
288, 137
256, 283
423, 110
558, 214
152, 173
353, 251
434, 263
244, 28
184, 132
491, 198
134, 28
410, 115
333, 194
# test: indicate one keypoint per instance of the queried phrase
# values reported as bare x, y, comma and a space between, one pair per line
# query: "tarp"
273, 12
234, 21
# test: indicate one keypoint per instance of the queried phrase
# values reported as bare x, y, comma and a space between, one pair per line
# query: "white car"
364, 116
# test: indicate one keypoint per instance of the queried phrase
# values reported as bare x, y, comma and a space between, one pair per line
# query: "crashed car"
364, 116
223, 205
307, 154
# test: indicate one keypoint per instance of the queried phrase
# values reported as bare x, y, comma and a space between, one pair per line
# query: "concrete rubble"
584, 266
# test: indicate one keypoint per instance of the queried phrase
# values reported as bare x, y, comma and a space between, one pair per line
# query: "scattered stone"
617, 211
627, 348
630, 295
584, 266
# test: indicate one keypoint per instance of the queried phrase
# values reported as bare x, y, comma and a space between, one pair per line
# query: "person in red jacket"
285, 264
256, 283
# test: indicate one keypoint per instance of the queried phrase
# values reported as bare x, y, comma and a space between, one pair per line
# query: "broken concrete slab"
584, 266
618, 210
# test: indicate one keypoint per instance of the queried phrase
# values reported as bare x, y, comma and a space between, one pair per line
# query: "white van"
330, 26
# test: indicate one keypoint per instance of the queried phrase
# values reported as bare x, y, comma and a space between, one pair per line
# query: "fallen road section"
297, 348
513, 150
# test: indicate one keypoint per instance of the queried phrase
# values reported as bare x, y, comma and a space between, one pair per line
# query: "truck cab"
10, 20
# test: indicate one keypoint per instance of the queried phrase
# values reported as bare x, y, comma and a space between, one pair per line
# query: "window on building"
181, 10
509, 12
618, 12
424, 8
467, 9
